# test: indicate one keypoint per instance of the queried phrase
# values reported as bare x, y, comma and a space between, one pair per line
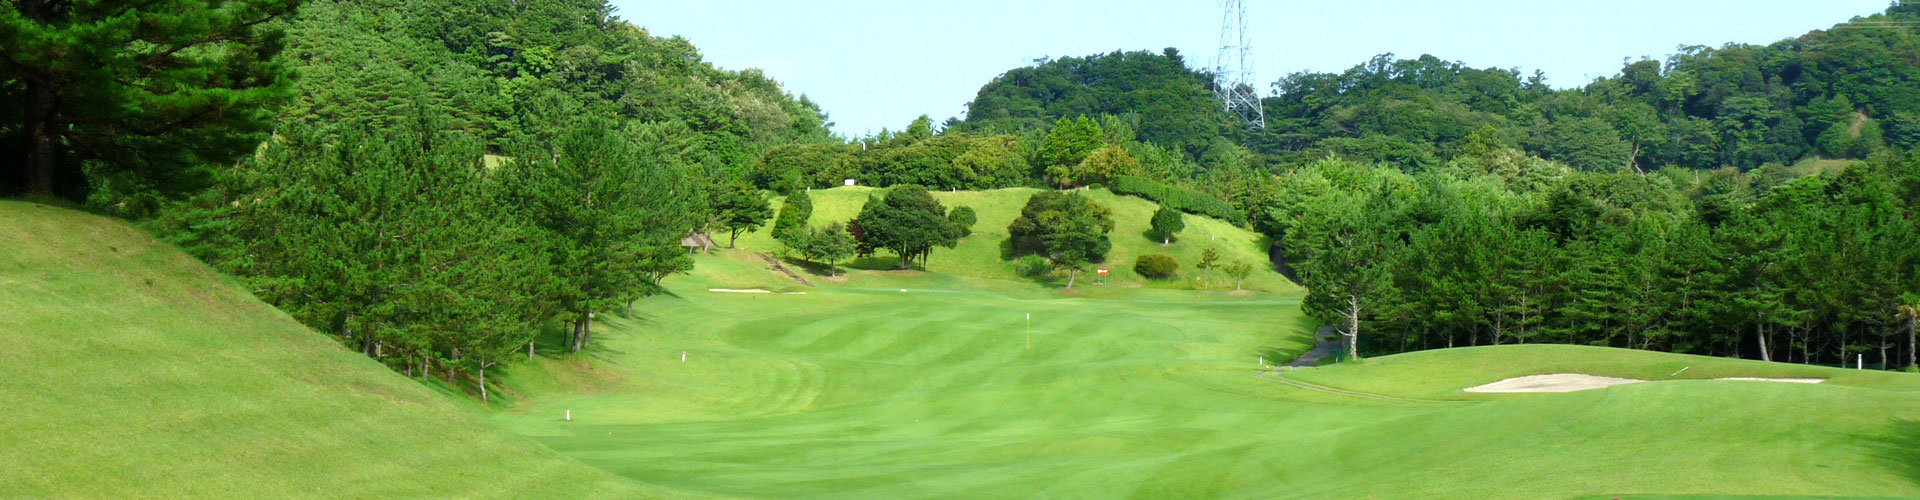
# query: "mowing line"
1343, 392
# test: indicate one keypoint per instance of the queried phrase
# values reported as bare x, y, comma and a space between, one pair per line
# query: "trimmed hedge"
1177, 198
1156, 266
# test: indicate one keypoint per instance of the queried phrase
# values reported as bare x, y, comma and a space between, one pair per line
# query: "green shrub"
1032, 266
963, 219
1177, 198
1156, 266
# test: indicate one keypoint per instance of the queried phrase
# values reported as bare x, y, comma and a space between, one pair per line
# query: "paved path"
1325, 343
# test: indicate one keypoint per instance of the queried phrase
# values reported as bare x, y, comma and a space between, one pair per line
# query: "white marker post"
683, 356
1029, 331
569, 415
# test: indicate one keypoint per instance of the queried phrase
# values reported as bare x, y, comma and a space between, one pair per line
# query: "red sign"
1103, 272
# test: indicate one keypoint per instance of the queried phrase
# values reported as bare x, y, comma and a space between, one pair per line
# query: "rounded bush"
1032, 266
1156, 266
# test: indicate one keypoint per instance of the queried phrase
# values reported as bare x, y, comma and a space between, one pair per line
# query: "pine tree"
150, 94
739, 207
602, 206
790, 227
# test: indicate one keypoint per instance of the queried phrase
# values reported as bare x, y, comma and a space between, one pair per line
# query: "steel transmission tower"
1233, 71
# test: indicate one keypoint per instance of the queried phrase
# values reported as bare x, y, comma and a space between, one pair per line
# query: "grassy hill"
131, 371
981, 256
862, 391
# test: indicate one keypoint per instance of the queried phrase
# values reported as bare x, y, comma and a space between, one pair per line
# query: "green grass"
980, 255
859, 391
127, 370
131, 371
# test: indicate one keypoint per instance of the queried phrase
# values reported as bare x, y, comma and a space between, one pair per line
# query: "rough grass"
861, 391
128, 370
981, 255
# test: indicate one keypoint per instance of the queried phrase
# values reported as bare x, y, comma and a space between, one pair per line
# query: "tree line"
1503, 248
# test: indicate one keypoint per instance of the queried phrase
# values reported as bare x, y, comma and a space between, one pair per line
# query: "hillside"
132, 371
980, 256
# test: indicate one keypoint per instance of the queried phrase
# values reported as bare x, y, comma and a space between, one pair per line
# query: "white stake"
683, 356
569, 415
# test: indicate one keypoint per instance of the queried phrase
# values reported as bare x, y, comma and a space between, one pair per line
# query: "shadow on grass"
1154, 237
874, 263
1898, 448
816, 269
1276, 355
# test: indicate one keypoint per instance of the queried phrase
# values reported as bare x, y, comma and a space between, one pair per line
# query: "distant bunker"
1570, 382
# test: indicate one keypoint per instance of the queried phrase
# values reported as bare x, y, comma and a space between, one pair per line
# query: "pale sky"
874, 64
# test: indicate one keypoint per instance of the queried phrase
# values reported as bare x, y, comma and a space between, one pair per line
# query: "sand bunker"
751, 290
1553, 382
1570, 382
1787, 380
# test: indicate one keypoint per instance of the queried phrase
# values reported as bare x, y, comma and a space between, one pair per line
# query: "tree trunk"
529, 349
1070, 273
573, 341
42, 130
1913, 351
483, 383
1166, 240
731, 238
1760, 335
1353, 328
1634, 161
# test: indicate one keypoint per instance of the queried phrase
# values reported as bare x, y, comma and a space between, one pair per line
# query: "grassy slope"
860, 391
979, 256
130, 371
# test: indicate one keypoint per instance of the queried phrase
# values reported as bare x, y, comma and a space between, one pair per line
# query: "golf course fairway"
862, 390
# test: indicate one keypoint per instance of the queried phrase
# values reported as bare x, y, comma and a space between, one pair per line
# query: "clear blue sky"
874, 64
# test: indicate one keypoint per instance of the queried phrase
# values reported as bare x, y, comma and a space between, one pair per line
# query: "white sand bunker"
1553, 382
1570, 382
1787, 380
